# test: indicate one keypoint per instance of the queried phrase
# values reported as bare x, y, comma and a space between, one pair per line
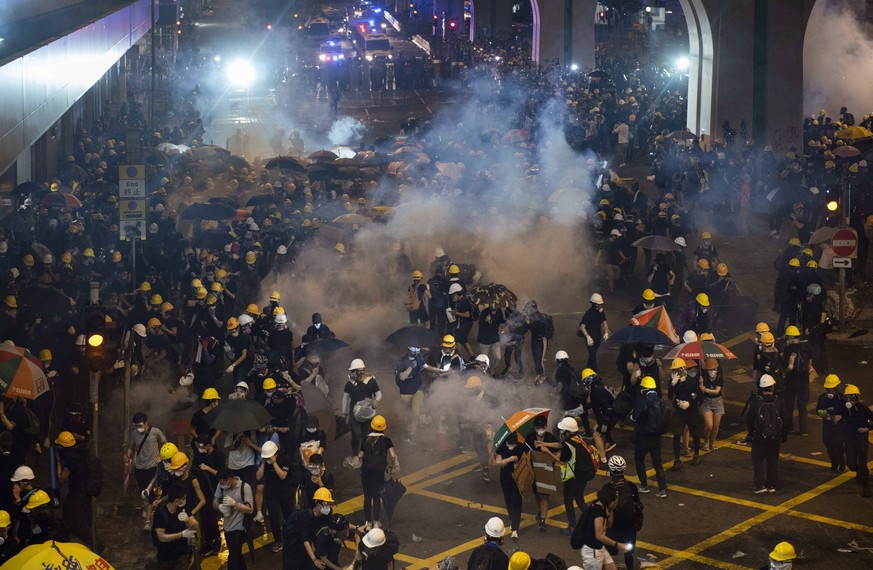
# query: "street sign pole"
843, 211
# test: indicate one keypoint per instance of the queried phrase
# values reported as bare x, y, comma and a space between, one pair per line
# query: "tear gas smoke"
346, 131
836, 53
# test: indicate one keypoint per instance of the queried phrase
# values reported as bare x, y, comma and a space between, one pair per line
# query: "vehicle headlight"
369, 58
322, 57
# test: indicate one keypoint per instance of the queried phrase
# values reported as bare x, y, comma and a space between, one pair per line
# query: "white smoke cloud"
346, 131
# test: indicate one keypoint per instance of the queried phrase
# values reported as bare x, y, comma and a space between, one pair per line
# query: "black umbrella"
324, 345
391, 493
598, 74
237, 416
323, 156
229, 200
199, 211
261, 200
348, 172
321, 171
489, 294
212, 239
640, 335
237, 162
46, 300
285, 163
657, 243
682, 135
26, 188
413, 336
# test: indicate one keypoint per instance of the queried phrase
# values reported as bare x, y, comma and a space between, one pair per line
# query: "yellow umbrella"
51, 554
853, 134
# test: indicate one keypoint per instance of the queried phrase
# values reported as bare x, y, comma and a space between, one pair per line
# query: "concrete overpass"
746, 56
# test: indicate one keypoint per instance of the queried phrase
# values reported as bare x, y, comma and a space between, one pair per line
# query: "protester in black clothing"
489, 556
514, 346
831, 408
298, 533
623, 527
173, 529
207, 463
685, 393
542, 440
314, 478
274, 471
361, 386
797, 360
593, 328
590, 534
199, 424
465, 314
767, 411
579, 469
541, 330
649, 417
506, 457
858, 422
569, 382
601, 402
318, 329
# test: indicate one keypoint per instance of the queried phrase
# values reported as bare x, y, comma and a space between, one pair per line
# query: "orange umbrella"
21, 373
658, 318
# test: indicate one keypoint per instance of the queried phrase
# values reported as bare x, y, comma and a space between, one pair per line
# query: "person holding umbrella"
507, 456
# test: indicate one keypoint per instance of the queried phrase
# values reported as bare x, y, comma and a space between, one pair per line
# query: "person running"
650, 417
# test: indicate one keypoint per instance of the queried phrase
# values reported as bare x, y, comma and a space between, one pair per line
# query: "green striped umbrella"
21, 373
519, 423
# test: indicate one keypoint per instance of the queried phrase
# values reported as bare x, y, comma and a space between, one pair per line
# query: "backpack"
392, 542
482, 560
93, 476
623, 404
768, 422
543, 326
412, 302
550, 562
578, 467
654, 420
375, 458
577, 388
439, 290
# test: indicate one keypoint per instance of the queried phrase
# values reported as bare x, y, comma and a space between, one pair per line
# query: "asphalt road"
710, 519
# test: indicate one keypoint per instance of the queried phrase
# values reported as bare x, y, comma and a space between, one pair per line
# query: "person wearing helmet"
650, 416
706, 250
542, 329
492, 321
579, 461
408, 377
615, 258
241, 350
81, 471
361, 396
600, 401
280, 340
375, 551
417, 300
33, 524
782, 557
593, 328
573, 393
831, 407
489, 555
143, 451
8, 546
233, 500
449, 359
767, 434
205, 465
173, 528
272, 304
590, 535
506, 456
700, 321
700, 280
858, 422
481, 365
792, 297
662, 278
797, 359
782, 264
685, 394
711, 402
541, 440
515, 330
21, 480
378, 458
274, 474
648, 302
624, 517
199, 425
465, 314
519, 561
816, 323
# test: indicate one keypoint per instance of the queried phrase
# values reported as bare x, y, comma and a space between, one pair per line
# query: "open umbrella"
823, 234
370, 158
239, 415
700, 350
520, 423
657, 243
495, 294
199, 211
51, 554
61, 200
238, 162
348, 172
27, 188
261, 200
321, 171
351, 219
212, 239
682, 135
45, 300
21, 373
640, 335
846, 151
657, 318
229, 200
413, 336
324, 345
209, 152
598, 74
854, 133
323, 156
515, 136
285, 163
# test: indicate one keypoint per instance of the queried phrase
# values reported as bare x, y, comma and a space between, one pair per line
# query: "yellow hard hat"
851, 389
67, 257
5, 519
37, 499
210, 394
792, 331
323, 495
794, 241
168, 450
454, 270
649, 295
794, 262
706, 235
178, 460
417, 275
166, 307
196, 283
519, 561
232, 323
116, 256
216, 287
762, 327
279, 311
767, 338
202, 293
783, 551
587, 373
721, 269
65, 439
702, 299
831, 381
706, 336
703, 263
28, 260
210, 298
340, 247
220, 274
156, 299
89, 252
145, 287
378, 423
253, 309
269, 384
812, 264
473, 382
10, 301
251, 258
45, 355
807, 251
448, 341
275, 296
648, 383
153, 322
677, 364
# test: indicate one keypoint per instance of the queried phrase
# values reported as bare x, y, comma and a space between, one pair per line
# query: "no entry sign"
845, 243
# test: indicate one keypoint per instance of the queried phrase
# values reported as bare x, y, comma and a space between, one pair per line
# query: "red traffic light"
452, 24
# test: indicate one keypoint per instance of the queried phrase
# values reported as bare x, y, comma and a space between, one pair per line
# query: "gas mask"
269, 393
647, 360
776, 565
325, 510
693, 373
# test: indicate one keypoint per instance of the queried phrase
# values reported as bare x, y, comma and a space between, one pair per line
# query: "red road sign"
845, 242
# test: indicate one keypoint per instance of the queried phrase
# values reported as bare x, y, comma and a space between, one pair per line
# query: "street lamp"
241, 73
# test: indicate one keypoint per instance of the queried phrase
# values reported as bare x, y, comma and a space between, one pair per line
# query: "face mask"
600, 308
312, 430
774, 565
141, 429
646, 361
511, 446
201, 449
224, 486
675, 375
269, 393
177, 473
318, 325
3, 533
692, 373
712, 374
166, 465
315, 470
325, 510
541, 431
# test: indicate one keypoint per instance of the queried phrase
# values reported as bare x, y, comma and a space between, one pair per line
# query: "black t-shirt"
358, 391
589, 536
273, 485
200, 425
592, 319
489, 326
171, 524
239, 343
300, 527
326, 545
376, 453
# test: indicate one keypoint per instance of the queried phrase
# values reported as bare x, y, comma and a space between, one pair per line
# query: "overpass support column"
566, 32
490, 18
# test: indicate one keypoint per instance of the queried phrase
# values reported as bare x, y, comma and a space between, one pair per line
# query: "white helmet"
597, 299
281, 319
617, 464
23, 473
689, 336
483, 358
245, 319
680, 241
140, 329
439, 252
495, 527
374, 538
455, 288
766, 381
187, 379
357, 364
269, 449
562, 355
282, 250
568, 424
242, 384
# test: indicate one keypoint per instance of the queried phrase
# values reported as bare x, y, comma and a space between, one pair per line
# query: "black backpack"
623, 404
439, 290
550, 562
543, 326
577, 388
654, 420
482, 559
768, 422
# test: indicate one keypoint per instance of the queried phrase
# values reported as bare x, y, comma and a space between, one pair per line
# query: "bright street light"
240, 73
682, 63
574, 67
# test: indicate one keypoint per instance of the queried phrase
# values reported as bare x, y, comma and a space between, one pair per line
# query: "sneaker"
687, 453
147, 527
609, 446
277, 547
696, 461
760, 490
377, 524
485, 476
515, 535
662, 494
771, 489
542, 526
566, 531
677, 466
644, 489
744, 442
259, 517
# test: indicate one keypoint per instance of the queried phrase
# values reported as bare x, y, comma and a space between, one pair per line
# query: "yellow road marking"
712, 562
792, 457
742, 337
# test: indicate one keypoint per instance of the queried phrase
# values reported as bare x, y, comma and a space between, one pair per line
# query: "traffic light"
95, 337
452, 23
